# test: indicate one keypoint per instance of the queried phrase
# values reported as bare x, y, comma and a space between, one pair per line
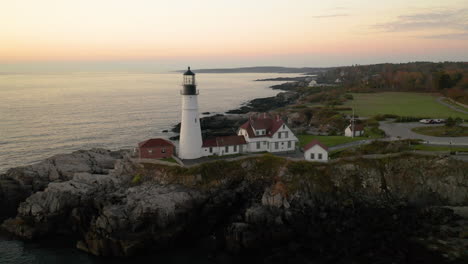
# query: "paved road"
458, 109
403, 131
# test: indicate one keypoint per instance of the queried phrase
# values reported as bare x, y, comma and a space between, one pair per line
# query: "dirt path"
458, 109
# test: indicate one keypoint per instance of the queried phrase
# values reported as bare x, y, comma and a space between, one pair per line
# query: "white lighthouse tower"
190, 132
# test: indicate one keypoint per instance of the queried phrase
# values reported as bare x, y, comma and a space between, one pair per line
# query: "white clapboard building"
266, 133
355, 130
316, 151
221, 146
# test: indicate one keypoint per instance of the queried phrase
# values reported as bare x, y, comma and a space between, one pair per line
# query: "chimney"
277, 118
264, 115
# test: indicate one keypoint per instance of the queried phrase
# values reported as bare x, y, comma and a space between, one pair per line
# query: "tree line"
448, 78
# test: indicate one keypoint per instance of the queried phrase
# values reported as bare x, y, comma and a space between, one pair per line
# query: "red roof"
263, 121
155, 142
357, 127
224, 141
313, 143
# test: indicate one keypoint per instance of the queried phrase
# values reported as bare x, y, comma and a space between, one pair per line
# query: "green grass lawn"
442, 131
169, 160
329, 141
402, 104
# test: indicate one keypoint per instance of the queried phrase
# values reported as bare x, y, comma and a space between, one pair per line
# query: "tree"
445, 81
450, 122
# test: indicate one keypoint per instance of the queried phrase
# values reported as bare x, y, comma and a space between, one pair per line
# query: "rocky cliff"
367, 211
18, 183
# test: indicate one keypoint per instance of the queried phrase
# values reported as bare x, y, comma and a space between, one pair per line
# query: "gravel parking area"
403, 131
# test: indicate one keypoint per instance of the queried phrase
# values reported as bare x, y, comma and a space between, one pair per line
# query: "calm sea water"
43, 115
50, 252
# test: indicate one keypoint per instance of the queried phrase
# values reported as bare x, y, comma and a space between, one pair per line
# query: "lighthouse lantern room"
190, 131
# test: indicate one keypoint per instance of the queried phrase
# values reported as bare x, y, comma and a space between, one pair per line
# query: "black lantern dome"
189, 72
189, 85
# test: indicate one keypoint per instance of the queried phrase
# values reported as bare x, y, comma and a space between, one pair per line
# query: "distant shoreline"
263, 69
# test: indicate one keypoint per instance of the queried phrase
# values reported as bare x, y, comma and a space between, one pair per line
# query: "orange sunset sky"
219, 33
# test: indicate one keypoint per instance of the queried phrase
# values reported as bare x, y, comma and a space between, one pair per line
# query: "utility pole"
352, 124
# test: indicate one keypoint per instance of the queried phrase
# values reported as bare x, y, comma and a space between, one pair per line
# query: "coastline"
227, 123
116, 112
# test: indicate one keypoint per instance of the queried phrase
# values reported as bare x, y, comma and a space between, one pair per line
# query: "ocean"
46, 114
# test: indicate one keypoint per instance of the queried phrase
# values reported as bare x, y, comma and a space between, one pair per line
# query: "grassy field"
329, 141
442, 131
402, 104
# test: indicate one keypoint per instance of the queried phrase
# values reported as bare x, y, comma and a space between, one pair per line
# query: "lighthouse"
190, 131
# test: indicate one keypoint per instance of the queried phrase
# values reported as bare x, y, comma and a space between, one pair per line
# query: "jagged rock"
45, 209
148, 214
18, 183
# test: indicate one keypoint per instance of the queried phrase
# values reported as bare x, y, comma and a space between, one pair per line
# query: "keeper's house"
155, 148
267, 133
224, 146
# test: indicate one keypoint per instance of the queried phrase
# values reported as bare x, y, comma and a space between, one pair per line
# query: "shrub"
390, 116
402, 119
450, 122
379, 117
136, 179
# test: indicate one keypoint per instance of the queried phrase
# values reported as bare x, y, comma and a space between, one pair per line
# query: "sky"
163, 34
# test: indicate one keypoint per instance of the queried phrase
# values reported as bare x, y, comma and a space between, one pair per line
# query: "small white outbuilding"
354, 131
313, 83
316, 151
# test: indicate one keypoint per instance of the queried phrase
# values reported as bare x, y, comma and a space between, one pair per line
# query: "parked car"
425, 121
439, 121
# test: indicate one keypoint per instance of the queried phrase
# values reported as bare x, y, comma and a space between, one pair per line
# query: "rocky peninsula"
405, 209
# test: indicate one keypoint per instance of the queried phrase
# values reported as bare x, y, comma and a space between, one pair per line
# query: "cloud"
450, 20
448, 36
331, 15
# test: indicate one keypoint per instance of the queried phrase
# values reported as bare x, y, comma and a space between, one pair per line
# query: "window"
163, 150
284, 126
258, 145
289, 144
211, 149
235, 148
227, 149
286, 134
195, 120
320, 156
264, 143
312, 156
279, 134
276, 145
